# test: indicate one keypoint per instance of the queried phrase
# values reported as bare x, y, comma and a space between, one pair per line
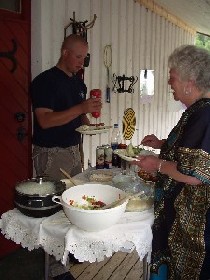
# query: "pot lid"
40, 186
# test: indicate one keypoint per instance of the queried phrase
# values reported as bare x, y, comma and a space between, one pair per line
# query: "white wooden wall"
140, 39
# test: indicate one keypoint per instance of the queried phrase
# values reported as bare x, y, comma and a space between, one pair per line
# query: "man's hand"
91, 105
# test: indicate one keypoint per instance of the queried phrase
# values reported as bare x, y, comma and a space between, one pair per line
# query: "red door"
15, 108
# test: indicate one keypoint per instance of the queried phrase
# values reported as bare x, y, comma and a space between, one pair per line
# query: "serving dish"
139, 205
101, 175
131, 184
147, 177
92, 220
33, 197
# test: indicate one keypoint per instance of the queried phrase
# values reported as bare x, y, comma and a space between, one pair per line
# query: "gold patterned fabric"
181, 209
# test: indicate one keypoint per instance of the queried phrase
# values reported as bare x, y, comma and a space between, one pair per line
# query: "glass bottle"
115, 141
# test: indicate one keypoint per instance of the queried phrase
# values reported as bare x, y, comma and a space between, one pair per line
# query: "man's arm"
48, 118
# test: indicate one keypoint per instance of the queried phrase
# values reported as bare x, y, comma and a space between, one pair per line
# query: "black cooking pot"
33, 197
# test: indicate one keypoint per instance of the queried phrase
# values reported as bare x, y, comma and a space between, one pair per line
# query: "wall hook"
79, 27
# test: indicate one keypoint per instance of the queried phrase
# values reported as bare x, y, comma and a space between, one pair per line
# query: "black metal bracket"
120, 83
80, 28
10, 55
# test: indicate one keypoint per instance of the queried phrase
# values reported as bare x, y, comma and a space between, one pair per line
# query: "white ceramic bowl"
92, 220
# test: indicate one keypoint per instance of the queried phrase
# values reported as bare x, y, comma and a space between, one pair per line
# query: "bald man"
60, 106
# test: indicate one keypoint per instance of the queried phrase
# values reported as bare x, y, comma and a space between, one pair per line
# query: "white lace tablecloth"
58, 236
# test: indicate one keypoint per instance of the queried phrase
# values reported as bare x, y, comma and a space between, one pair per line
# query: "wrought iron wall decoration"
121, 83
79, 28
10, 55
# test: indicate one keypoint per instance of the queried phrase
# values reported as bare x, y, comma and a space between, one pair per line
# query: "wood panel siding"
140, 39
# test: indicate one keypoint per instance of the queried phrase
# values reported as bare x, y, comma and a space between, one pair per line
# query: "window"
203, 41
11, 5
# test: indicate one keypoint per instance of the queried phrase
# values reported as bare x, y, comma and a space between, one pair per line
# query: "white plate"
91, 130
121, 153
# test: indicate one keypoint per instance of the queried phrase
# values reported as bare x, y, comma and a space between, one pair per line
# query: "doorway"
15, 105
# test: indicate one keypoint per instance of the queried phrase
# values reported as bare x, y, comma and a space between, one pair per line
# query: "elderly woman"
181, 231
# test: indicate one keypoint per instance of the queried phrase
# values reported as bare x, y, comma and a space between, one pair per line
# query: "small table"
58, 237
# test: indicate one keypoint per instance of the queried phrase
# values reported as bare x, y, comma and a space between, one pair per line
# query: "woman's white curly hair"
192, 63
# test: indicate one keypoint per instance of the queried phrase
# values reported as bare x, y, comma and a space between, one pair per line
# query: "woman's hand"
149, 163
152, 141
152, 164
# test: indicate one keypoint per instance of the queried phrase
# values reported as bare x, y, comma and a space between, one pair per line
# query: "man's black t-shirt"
53, 89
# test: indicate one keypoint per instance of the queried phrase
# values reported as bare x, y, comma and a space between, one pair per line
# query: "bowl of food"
132, 184
147, 177
82, 205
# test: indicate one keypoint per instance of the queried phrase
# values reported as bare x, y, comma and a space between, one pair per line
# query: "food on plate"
97, 124
91, 127
147, 176
90, 203
132, 151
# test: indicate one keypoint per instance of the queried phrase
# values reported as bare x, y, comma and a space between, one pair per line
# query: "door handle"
20, 116
21, 133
